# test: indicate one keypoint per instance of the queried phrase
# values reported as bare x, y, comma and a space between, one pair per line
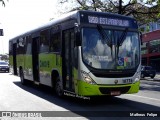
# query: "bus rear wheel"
58, 88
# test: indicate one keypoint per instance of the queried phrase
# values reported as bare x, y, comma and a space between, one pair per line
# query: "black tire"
58, 88
152, 77
23, 81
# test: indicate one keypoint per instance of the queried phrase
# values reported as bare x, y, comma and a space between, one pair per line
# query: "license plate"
115, 92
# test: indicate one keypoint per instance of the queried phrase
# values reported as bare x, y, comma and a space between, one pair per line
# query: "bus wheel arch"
56, 83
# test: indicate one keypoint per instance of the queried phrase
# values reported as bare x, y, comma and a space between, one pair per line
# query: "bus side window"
28, 45
55, 42
20, 46
44, 41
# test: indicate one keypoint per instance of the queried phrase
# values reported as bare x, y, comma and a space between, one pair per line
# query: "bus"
83, 53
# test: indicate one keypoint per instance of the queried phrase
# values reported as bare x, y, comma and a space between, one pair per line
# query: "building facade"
150, 49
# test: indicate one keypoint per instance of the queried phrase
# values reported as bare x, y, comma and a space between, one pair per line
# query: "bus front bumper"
85, 89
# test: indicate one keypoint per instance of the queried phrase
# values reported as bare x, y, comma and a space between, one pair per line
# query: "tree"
3, 3
4, 57
143, 11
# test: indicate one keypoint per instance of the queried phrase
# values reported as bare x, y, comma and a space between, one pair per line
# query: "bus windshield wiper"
123, 36
105, 37
121, 40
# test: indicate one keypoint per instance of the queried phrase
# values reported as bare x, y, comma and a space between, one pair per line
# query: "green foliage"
134, 1
4, 57
143, 11
3, 3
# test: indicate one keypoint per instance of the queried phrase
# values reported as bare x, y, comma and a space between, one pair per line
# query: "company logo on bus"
116, 81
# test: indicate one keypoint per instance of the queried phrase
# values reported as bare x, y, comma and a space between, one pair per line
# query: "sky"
19, 16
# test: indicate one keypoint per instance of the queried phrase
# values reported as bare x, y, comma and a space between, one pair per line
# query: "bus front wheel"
58, 88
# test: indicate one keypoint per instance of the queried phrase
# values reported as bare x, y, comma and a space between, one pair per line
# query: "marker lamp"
137, 78
87, 78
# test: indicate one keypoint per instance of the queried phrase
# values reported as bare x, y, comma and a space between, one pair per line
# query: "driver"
93, 49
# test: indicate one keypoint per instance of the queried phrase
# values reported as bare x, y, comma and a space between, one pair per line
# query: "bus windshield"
120, 50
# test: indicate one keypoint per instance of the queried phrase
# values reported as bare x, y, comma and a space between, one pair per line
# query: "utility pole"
1, 34
1, 31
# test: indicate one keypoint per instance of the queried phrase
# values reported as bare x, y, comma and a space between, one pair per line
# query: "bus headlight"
87, 78
137, 78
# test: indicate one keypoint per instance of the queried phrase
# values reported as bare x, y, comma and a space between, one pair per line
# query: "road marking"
145, 97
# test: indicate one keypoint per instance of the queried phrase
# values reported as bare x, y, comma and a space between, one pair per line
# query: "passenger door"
15, 58
68, 59
35, 61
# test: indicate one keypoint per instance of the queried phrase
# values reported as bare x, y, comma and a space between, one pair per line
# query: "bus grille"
122, 90
113, 75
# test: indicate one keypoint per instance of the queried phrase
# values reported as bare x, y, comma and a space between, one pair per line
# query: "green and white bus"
84, 53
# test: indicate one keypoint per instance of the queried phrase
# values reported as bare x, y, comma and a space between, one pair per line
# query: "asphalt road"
16, 97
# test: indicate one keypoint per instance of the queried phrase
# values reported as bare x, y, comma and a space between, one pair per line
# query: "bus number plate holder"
115, 92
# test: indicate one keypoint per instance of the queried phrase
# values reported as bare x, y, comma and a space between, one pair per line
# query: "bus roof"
89, 17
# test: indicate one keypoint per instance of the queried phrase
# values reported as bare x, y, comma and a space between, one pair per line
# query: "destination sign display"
108, 21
